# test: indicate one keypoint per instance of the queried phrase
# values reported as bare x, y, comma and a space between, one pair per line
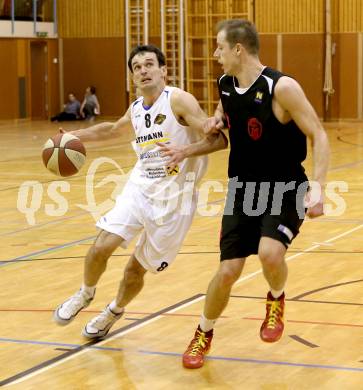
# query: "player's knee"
227, 276
100, 251
133, 276
270, 257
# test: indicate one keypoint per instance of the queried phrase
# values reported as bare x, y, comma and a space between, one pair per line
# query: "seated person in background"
71, 110
90, 106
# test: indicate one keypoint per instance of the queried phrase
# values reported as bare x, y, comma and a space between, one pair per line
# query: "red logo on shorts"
254, 128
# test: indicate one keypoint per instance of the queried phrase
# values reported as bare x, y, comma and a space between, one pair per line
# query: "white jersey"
158, 124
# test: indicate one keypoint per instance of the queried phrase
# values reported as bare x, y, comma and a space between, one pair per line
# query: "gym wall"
293, 40
19, 69
92, 45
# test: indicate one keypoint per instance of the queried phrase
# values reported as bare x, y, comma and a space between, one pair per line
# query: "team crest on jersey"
254, 128
259, 97
172, 171
160, 118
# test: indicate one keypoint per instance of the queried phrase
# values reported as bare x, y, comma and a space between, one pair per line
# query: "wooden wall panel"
334, 109
360, 76
97, 18
8, 79
303, 59
345, 70
23, 72
15, 67
268, 49
289, 16
347, 15
347, 48
335, 15
22, 58
100, 62
91, 18
154, 18
53, 77
38, 83
307, 16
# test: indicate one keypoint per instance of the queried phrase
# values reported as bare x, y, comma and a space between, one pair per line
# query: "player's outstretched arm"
188, 112
206, 145
292, 99
104, 130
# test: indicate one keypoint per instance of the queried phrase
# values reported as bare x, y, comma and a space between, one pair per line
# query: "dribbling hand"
316, 211
315, 208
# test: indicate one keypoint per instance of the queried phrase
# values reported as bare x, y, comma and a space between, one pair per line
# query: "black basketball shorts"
241, 233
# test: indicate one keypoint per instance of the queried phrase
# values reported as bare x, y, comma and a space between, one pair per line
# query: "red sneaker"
194, 355
273, 326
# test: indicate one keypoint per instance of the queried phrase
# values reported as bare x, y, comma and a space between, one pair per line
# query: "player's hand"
213, 125
315, 211
176, 153
62, 131
315, 208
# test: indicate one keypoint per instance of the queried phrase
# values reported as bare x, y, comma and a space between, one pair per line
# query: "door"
39, 79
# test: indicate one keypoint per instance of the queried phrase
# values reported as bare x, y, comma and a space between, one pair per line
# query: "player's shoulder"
180, 97
225, 79
286, 84
176, 92
135, 106
288, 92
279, 79
136, 102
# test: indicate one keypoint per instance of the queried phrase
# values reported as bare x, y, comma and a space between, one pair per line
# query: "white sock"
206, 324
114, 308
276, 293
88, 290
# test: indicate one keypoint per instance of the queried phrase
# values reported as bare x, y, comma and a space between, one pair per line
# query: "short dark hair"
92, 89
147, 48
240, 31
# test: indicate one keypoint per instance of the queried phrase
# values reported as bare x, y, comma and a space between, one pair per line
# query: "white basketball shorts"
161, 237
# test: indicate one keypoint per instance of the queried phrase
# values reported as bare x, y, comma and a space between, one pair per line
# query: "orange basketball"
64, 154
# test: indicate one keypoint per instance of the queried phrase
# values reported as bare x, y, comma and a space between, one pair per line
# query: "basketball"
64, 154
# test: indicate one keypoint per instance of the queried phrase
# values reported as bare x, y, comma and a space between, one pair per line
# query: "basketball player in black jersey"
268, 118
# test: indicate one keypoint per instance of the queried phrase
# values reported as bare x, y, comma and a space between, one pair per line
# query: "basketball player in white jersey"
159, 199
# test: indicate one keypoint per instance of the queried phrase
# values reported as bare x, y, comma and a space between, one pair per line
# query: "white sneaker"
100, 325
67, 311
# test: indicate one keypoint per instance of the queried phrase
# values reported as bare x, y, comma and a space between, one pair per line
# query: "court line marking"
58, 247
310, 322
31, 373
196, 253
51, 249
79, 214
55, 344
68, 345
257, 361
42, 224
20, 377
298, 297
225, 358
303, 341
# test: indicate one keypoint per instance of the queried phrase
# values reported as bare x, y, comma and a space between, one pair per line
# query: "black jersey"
262, 148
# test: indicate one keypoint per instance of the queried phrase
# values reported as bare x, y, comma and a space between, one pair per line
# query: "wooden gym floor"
45, 238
